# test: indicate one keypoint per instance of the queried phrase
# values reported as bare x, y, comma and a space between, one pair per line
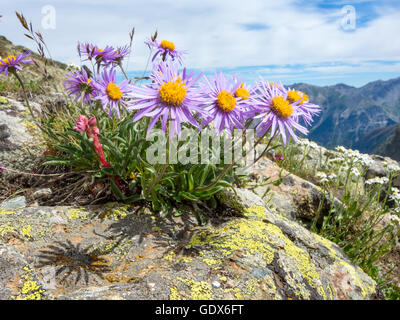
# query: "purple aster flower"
101, 56
120, 54
172, 94
111, 95
226, 110
277, 112
12, 63
2, 166
166, 48
244, 93
79, 83
309, 109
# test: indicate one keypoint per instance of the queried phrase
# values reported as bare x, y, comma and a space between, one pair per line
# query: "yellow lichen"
6, 227
31, 290
237, 293
212, 262
244, 234
222, 278
170, 256
254, 236
74, 214
26, 231
117, 213
6, 212
157, 229
366, 290
198, 290
174, 295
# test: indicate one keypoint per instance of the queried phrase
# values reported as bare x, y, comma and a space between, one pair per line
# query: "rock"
12, 266
296, 198
396, 182
4, 132
378, 167
116, 251
14, 203
42, 193
20, 143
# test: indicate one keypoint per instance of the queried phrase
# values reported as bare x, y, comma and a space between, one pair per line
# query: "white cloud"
212, 31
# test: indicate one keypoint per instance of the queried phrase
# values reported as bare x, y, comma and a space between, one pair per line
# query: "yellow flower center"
294, 96
173, 92
168, 45
226, 101
100, 50
281, 107
242, 93
6, 60
113, 91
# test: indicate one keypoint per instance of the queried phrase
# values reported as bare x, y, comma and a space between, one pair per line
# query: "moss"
3, 100
234, 202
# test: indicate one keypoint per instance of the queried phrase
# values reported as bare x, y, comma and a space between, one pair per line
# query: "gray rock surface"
20, 143
122, 252
14, 203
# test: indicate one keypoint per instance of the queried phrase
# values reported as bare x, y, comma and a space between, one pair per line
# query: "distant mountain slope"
56, 70
363, 118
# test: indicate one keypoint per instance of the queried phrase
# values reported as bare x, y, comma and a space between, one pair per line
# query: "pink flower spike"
92, 122
81, 124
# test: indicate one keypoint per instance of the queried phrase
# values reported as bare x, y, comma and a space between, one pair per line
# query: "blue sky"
287, 40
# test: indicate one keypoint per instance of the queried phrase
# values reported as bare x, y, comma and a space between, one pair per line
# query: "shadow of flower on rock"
70, 260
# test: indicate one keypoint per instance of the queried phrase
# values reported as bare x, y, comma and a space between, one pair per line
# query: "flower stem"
123, 71
14, 72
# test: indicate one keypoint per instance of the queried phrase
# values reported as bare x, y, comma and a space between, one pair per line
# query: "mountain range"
366, 118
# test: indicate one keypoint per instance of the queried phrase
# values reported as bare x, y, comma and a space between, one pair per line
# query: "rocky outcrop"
122, 252
20, 144
294, 197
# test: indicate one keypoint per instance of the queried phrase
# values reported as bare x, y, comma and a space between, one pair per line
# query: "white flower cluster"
323, 177
395, 195
355, 172
307, 143
377, 180
395, 218
392, 168
72, 67
353, 156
